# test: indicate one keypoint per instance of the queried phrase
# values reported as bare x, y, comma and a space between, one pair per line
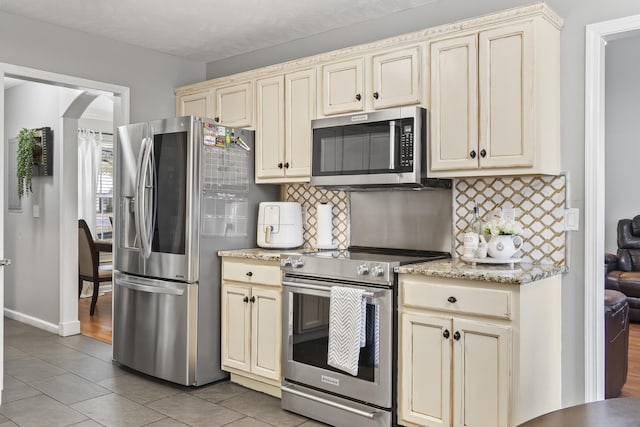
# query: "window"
104, 190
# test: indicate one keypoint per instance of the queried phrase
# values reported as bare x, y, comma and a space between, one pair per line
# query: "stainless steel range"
310, 386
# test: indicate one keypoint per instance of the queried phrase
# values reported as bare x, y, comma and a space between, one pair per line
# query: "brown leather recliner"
623, 269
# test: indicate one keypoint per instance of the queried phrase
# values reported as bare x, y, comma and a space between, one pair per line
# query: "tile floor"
55, 381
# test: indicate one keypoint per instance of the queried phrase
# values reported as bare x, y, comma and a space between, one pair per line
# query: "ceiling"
206, 30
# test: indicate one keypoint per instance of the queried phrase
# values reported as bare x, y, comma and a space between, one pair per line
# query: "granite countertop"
457, 269
261, 254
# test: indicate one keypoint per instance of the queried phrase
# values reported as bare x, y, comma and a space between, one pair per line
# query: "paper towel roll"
324, 234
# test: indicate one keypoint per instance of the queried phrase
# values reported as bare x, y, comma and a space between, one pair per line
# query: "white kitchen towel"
347, 315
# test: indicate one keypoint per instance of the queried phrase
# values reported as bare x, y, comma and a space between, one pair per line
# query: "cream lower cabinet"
495, 100
477, 353
285, 106
251, 323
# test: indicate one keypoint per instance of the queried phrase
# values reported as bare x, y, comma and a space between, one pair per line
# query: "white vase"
504, 246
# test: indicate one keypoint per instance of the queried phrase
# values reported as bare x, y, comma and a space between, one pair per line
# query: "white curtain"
88, 170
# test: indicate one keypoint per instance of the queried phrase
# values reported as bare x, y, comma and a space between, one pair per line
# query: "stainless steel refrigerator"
184, 189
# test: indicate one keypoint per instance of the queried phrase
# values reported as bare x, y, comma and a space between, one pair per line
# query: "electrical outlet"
36, 211
509, 213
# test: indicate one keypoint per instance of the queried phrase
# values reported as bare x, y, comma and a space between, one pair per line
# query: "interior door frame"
597, 36
68, 323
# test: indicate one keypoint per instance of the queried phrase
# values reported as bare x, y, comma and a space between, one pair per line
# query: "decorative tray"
490, 260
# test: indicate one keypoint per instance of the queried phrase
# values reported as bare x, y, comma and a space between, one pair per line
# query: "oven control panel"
375, 270
292, 261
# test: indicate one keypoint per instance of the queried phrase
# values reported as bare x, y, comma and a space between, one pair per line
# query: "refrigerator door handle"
142, 223
150, 289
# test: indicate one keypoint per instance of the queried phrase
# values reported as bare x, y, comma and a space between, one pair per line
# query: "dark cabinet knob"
375, 95
358, 97
249, 273
286, 165
280, 165
473, 154
456, 336
483, 153
445, 334
452, 299
253, 299
245, 299
217, 119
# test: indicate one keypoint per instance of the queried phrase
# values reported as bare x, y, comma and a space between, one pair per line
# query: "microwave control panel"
406, 146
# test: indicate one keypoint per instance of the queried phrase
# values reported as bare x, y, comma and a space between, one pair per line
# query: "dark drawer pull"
253, 299
445, 334
456, 336
452, 299
245, 299
249, 274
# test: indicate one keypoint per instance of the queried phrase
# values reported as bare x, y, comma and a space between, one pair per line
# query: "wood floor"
97, 326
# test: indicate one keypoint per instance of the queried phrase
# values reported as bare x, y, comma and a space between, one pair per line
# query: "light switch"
36, 211
572, 219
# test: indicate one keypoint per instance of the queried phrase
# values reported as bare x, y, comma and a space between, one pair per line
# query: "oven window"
311, 335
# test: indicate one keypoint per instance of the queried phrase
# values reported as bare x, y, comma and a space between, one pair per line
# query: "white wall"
622, 135
151, 76
577, 14
31, 283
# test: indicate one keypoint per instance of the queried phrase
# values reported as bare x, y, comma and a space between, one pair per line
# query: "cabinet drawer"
468, 300
248, 272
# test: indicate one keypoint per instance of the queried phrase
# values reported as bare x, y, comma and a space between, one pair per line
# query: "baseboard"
69, 328
33, 321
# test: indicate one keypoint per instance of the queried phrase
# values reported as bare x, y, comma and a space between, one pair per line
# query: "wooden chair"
89, 267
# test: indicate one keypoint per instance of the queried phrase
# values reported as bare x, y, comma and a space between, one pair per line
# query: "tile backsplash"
309, 197
539, 203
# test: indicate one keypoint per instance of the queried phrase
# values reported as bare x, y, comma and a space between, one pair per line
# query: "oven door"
306, 335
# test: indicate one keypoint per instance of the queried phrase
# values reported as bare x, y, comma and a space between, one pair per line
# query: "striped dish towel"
347, 317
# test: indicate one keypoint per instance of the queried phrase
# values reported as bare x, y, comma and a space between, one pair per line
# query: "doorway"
597, 36
64, 320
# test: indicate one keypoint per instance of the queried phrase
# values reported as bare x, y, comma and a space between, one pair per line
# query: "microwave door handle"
392, 145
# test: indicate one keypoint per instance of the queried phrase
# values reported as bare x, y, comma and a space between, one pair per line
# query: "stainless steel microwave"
386, 148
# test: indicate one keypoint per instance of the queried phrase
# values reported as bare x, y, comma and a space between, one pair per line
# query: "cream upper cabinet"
494, 104
342, 86
251, 326
198, 104
270, 128
396, 78
477, 353
234, 105
285, 108
381, 80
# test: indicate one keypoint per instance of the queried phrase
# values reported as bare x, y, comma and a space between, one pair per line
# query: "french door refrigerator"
184, 189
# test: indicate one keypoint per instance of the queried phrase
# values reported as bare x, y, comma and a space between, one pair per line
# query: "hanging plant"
26, 146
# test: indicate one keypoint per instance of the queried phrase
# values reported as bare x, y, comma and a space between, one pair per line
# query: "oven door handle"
367, 294
370, 415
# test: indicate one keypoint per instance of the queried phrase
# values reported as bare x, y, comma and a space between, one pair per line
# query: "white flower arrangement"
499, 226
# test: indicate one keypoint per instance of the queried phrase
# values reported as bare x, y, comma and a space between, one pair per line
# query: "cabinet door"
454, 103
342, 86
425, 370
234, 105
196, 104
270, 128
236, 327
300, 109
266, 333
481, 371
506, 84
396, 78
